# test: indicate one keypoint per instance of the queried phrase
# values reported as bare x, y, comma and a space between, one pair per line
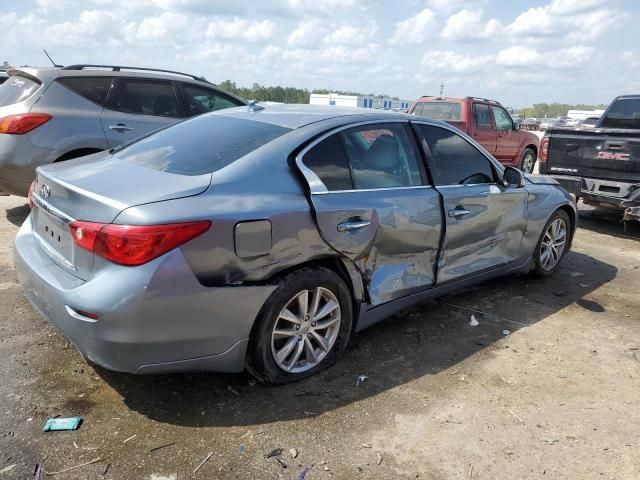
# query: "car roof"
298, 115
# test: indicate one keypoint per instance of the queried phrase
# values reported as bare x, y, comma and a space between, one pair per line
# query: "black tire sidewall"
539, 270
522, 157
261, 362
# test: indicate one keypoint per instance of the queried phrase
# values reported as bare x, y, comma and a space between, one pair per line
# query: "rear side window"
17, 89
329, 162
146, 97
92, 88
625, 113
439, 110
202, 100
201, 145
453, 160
482, 116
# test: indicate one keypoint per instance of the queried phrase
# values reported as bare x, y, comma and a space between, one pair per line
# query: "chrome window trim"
57, 257
316, 185
51, 210
381, 189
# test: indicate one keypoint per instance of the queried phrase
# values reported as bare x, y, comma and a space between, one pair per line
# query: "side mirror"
517, 125
512, 177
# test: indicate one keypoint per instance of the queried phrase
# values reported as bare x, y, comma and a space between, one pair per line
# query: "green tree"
5, 65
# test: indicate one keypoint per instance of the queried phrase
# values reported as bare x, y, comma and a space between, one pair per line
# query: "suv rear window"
17, 89
92, 88
439, 110
202, 145
625, 113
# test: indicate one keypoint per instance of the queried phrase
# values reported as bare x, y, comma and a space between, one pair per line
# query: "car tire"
276, 338
549, 252
528, 160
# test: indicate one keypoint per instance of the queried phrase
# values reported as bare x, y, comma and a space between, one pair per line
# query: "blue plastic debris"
62, 424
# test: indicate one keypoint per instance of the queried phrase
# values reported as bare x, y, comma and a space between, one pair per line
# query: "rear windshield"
16, 89
202, 145
439, 110
625, 113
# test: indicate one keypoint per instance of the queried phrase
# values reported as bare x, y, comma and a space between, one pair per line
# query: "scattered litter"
66, 346
203, 462
576, 274
470, 471
550, 441
130, 438
584, 285
106, 469
293, 452
75, 444
516, 416
366, 445
162, 446
8, 468
37, 472
506, 332
30, 419
233, 390
361, 379
280, 462
310, 414
274, 453
95, 460
303, 474
242, 449
473, 322
378, 458
252, 383
326, 469
54, 424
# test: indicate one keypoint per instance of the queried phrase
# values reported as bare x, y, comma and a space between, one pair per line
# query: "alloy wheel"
306, 330
527, 163
553, 244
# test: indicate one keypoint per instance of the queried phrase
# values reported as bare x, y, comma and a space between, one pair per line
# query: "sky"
515, 51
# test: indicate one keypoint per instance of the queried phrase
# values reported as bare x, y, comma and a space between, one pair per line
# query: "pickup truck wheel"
303, 327
527, 160
553, 244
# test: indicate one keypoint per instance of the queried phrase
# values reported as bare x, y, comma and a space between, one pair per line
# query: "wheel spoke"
321, 325
296, 355
310, 351
284, 352
322, 342
303, 303
288, 315
326, 309
315, 302
285, 332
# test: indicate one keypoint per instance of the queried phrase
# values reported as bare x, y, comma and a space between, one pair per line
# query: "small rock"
361, 379
366, 445
576, 274
473, 322
378, 458
326, 469
293, 452
274, 453
506, 332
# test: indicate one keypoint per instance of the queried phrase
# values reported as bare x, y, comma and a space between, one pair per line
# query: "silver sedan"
264, 237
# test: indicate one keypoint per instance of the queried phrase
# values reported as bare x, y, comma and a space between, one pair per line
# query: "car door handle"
353, 224
120, 127
458, 212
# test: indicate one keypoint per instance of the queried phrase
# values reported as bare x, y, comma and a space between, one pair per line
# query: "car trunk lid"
96, 189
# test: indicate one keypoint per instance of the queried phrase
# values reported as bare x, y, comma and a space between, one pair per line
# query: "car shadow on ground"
608, 222
424, 340
17, 215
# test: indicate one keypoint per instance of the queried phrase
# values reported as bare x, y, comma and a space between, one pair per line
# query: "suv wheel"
303, 327
553, 244
527, 160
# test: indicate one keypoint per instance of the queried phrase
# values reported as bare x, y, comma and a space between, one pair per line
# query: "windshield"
625, 113
202, 145
438, 110
17, 89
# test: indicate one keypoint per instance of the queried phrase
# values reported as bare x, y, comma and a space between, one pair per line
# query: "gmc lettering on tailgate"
613, 156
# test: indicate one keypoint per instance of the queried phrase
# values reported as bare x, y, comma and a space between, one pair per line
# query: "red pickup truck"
488, 123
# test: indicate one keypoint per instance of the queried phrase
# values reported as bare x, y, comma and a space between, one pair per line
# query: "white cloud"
156, 28
240, 29
92, 27
349, 35
451, 61
448, 6
309, 32
414, 30
523, 56
468, 25
571, 7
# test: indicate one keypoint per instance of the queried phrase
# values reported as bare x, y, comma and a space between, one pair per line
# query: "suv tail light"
133, 245
544, 149
22, 123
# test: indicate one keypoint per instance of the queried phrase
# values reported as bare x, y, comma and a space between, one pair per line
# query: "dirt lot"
556, 398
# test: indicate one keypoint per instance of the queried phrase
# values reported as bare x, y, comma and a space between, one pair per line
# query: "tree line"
280, 94
546, 110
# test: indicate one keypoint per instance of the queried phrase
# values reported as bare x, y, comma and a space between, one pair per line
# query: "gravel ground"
556, 398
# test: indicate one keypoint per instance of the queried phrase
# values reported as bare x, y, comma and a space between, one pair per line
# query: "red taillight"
134, 244
29, 195
22, 123
544, 149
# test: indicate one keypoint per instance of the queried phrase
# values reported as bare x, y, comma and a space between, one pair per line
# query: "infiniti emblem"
45, 191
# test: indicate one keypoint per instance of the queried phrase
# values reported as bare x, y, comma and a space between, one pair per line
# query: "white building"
363, 101
582, 114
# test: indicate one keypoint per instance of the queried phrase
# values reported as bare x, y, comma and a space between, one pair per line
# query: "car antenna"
51, 59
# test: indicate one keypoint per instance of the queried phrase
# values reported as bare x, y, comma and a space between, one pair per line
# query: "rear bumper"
605, 193
154, 318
